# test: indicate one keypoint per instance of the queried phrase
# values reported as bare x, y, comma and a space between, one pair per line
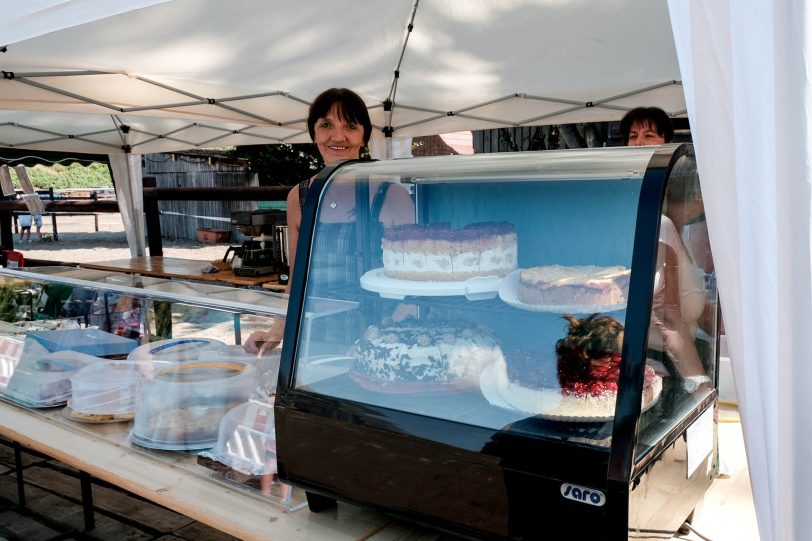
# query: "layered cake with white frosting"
585, 382
414, 356
585, 285
438, 253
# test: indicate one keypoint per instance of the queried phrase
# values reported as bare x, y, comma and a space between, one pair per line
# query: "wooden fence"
181, 219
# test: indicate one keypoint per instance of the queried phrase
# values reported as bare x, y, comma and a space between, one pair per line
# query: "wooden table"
175, 267
102, 451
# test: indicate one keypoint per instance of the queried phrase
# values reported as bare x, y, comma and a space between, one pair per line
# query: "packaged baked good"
41, 379
181, 406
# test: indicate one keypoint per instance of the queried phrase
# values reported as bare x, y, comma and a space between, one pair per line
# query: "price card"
699, 439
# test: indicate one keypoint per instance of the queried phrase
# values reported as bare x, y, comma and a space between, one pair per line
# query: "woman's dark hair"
350, 107
654, 117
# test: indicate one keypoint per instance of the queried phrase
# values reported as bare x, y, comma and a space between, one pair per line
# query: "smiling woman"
339, 125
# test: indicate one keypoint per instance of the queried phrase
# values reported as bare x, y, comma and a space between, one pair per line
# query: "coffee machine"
266, 251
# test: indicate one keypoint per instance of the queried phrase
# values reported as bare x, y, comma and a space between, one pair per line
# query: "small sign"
699, 439
583, 494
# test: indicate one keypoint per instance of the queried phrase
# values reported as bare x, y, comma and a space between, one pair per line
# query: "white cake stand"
474, 289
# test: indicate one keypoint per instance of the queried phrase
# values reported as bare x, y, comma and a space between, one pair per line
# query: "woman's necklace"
333, 204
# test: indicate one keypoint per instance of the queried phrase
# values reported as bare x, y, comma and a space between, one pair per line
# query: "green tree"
552, 137
75, 175
280, 164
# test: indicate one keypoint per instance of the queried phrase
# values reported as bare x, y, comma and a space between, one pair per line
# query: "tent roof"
196, 73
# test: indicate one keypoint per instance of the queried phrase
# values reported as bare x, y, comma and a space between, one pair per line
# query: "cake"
583, 385
435, 252
181, 407
586, 285
417, 356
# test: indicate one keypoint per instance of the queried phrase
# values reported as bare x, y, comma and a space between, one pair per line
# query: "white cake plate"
509, 293
474, 289
490, 391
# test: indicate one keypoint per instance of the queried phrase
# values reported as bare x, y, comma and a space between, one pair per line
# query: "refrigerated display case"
533, 352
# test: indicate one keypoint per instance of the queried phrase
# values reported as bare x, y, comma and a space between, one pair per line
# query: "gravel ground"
79, 243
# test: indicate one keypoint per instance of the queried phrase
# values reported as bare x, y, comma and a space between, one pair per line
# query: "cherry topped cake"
435, 252
584, 385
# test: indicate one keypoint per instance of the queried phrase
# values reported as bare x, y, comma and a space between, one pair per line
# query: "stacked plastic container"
110, 387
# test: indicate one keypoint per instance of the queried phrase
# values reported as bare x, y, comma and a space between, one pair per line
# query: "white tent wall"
129, 192
201, 73
26, 19
745, 68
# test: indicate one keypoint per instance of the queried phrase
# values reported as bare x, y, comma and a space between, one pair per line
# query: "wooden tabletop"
173, 479
175, 267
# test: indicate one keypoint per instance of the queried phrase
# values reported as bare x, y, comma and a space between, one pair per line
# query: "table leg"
18, 466
53, 222
87, 501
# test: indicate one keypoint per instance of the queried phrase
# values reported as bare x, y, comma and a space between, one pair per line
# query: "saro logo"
583, 494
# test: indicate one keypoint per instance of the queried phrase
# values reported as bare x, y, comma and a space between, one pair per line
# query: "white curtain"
129, 192
745, 68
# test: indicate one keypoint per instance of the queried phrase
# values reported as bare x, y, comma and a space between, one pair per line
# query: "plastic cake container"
42, 380
246, 440
181, 406
110, 387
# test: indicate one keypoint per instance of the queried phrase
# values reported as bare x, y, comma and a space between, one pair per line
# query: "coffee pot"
236, 259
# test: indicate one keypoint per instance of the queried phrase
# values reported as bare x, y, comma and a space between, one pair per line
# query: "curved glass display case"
532, 338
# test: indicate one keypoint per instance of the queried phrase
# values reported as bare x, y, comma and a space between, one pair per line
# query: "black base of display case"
481, 494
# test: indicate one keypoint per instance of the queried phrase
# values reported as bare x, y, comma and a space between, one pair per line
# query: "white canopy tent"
187, 74
181, 74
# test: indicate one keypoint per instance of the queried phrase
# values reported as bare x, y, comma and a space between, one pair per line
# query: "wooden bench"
53, 220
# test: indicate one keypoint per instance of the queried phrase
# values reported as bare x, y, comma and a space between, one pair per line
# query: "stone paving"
53, 510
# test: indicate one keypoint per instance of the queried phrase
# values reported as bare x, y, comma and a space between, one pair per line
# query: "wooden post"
152, 216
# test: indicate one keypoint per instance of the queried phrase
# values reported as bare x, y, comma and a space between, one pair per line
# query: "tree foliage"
75, 175
552, 137
280, 164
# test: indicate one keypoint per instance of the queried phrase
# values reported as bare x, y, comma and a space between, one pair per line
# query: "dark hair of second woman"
653, 117
350, 107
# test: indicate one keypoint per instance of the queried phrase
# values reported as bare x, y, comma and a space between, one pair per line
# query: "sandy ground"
79, 243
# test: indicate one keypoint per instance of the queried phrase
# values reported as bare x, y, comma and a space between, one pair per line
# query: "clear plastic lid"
42, 379
247, 440
178, 349
90, 341
181, 406
110, 387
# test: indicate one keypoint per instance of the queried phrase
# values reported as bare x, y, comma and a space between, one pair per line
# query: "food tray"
90, 341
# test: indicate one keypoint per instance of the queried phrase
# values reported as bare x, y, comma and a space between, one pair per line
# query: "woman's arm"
261, 341
677, 336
